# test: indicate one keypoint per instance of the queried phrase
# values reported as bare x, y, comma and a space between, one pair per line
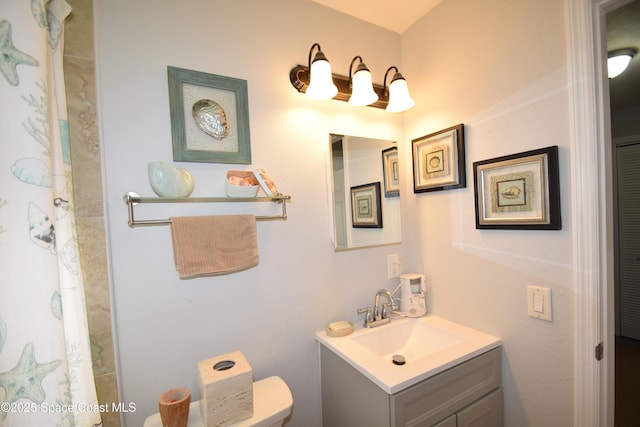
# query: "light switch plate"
539, 303
393, 266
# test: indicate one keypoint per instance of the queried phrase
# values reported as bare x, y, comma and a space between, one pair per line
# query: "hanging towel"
213, 245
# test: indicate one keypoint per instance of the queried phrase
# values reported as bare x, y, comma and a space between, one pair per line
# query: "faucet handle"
367, 315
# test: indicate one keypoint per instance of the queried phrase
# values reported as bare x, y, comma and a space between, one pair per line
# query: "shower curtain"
46, 376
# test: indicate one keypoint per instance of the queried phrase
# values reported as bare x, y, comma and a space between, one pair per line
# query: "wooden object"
174, 407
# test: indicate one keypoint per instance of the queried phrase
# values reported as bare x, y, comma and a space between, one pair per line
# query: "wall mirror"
366, 194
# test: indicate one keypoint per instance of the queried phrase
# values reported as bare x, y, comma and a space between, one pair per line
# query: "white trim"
587, 125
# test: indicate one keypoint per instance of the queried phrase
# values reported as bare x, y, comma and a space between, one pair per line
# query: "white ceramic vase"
169, 181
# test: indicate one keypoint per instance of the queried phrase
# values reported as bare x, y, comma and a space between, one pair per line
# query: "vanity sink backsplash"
427, 345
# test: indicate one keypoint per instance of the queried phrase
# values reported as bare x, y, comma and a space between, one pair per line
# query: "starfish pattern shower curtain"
46, 376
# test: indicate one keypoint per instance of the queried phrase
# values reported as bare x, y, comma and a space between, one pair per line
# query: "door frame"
591, 148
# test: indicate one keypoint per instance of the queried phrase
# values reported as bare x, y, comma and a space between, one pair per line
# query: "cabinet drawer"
452, 421
485, 412
431, 401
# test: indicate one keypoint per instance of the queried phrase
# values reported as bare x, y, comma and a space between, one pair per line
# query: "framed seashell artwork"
391, 172
366, 206
439, 160
209, 117
519, 191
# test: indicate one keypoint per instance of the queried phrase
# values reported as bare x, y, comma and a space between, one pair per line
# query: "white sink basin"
410, 339
429, 345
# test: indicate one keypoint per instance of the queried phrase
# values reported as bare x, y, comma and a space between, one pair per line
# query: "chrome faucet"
380, 313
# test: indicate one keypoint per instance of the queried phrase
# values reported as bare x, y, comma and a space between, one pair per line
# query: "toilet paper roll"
226, 389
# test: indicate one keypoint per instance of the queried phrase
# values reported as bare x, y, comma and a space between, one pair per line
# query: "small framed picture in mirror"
366, 206
390, 172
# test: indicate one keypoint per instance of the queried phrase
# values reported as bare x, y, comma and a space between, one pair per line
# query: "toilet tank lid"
272, 400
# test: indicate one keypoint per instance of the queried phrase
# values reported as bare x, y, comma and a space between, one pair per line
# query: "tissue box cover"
226, 389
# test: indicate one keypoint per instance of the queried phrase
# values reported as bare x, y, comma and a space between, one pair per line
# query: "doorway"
627, 235
626, 166
623, 32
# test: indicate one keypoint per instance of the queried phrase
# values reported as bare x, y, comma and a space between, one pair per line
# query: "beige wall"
79, 67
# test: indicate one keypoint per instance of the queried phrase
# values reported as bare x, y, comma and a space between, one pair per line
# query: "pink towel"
212, 245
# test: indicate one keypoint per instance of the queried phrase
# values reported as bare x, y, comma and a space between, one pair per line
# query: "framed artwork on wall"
439, 160
390, 172
366, 206
519, 191
209, 117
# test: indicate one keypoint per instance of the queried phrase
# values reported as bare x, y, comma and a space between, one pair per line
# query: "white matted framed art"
439, 160
519, 191
366, 206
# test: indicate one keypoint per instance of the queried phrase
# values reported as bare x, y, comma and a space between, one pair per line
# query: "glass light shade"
399, 98
362, 93
321, 84
617, 64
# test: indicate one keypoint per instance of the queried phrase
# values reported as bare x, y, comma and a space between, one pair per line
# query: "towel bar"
132, 199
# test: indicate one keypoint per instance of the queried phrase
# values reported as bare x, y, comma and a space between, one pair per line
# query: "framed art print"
390, 172
519, 191
439, 160
209, 117
366, 207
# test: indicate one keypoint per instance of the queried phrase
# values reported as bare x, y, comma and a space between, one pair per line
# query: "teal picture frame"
218, 133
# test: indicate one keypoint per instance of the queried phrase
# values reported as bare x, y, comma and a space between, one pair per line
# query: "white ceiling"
395, 16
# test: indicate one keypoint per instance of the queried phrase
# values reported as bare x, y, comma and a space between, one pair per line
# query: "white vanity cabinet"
467, 394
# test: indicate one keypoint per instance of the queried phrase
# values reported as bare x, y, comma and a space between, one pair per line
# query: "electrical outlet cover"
393, 266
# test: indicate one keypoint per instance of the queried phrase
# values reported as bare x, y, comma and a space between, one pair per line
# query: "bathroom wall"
497, 66
166, 325
500, 68
79, 71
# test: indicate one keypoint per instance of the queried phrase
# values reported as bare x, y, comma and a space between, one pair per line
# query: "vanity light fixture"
362, 92
618, 61
351, 88
399, 98
321, 84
